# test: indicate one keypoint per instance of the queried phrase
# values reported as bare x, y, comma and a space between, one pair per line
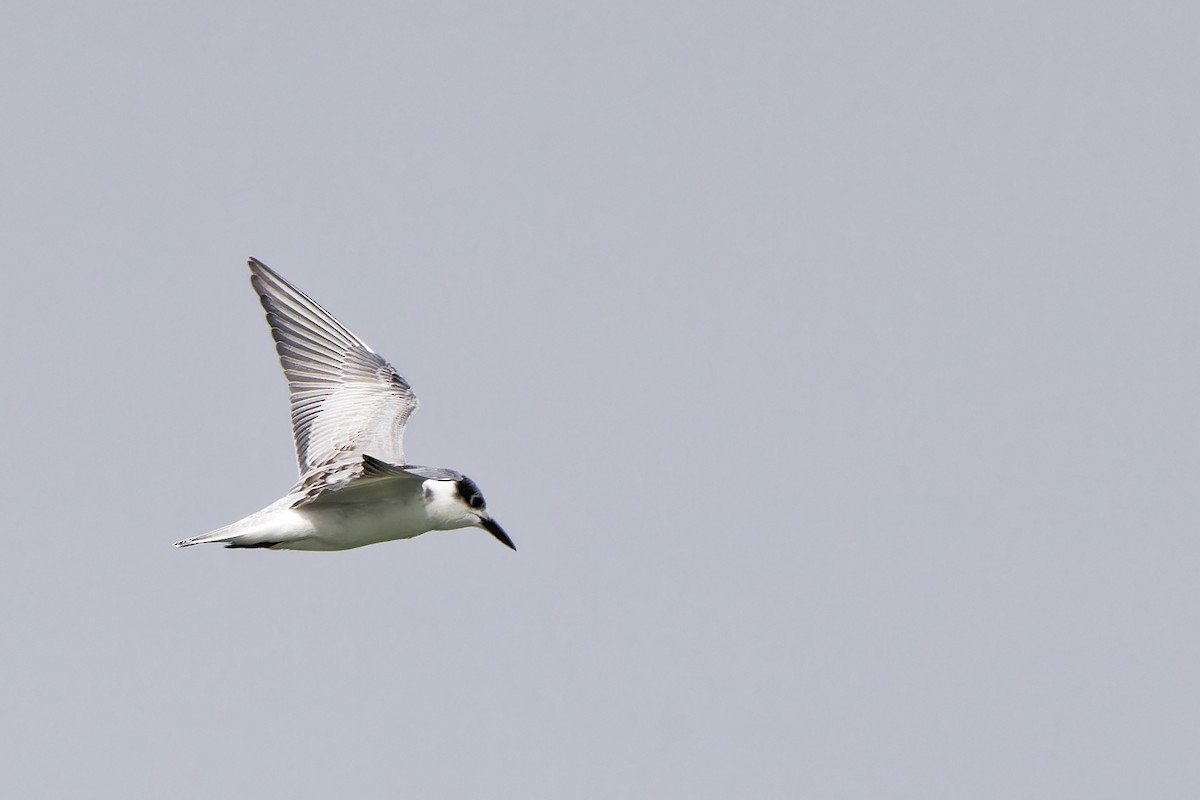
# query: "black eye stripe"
469, 492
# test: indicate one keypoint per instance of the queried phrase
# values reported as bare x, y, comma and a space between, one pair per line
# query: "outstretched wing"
346, 400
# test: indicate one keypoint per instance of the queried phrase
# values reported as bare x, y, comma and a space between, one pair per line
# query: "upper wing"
346, 400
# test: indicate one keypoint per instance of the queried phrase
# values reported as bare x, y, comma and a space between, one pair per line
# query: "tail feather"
219, 535
266, 528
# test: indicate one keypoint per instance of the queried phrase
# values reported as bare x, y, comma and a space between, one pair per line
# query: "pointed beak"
491, 526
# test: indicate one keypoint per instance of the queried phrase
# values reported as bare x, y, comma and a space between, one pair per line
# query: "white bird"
349, 409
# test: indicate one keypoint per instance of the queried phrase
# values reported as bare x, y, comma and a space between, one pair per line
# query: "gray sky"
834, 367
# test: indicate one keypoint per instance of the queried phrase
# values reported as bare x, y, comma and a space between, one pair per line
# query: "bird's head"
460, 504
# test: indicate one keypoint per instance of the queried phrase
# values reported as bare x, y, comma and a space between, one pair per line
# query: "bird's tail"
260, 529
219, 535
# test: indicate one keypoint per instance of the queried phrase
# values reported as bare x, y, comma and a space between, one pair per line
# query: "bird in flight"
349, 409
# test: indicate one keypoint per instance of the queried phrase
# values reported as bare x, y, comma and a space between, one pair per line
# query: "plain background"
833, 366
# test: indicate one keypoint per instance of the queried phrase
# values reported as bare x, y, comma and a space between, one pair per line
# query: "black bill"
491, 526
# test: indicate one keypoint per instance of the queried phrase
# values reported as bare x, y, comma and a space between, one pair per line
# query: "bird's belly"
341, 527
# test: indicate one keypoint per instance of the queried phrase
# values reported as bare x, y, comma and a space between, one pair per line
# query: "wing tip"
260, 271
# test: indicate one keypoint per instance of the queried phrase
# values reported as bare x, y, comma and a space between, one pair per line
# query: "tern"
349, 410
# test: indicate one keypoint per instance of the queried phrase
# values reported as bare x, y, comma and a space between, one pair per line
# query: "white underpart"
342, 527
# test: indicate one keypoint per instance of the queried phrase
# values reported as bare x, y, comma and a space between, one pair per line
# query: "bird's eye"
476, 501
